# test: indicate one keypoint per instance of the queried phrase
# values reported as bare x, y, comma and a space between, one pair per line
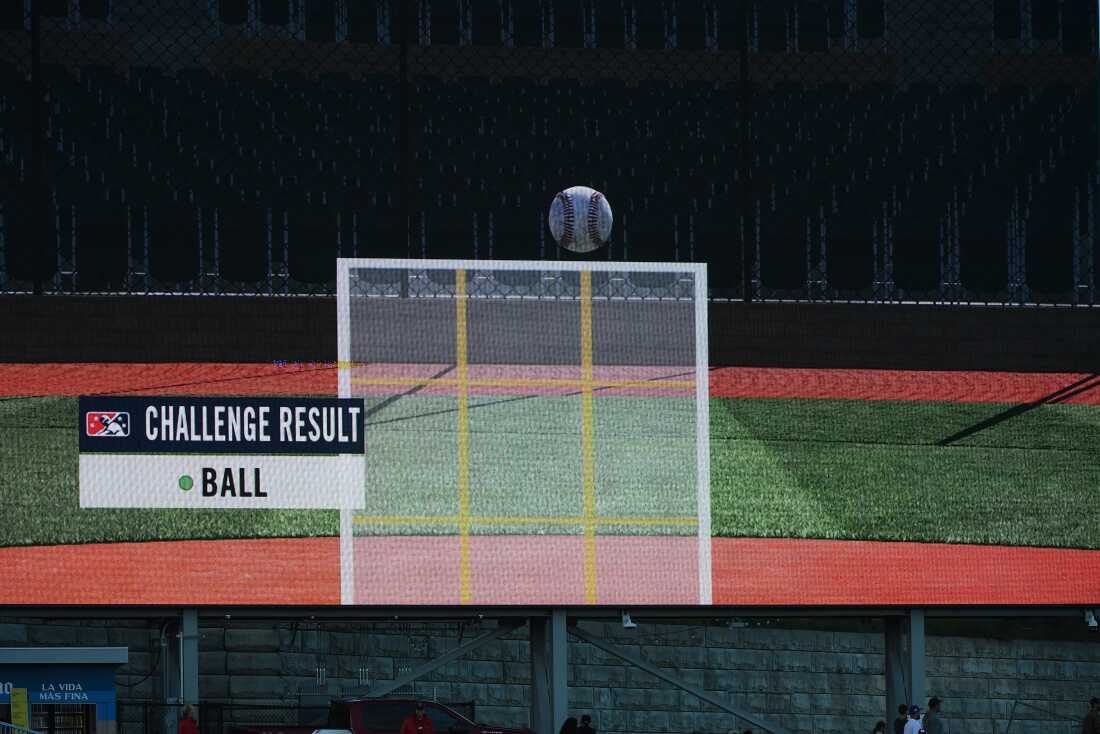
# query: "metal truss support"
422, 670
756, 720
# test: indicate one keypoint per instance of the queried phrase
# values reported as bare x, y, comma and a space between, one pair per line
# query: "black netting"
937, 151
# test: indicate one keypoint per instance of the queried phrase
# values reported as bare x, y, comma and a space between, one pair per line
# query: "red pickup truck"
384, 716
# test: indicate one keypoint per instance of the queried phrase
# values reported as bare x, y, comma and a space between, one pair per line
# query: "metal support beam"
422, 670
757, 721
542, 716
559, 668
686, 614
916, 656
189, 656
897, 664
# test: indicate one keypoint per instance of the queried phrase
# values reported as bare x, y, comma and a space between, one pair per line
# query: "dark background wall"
245, 329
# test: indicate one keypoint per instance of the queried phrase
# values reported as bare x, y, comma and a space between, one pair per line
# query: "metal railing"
6, 728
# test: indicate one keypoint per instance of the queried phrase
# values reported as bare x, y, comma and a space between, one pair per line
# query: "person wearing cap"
914, 726
417, 722
1091, 724
903, 718
933, 724
586, 725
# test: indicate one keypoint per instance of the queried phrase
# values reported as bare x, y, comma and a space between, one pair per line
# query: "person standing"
188, 725
570, 726
586, 725
933, 723
418, 722
1091, 724
913, 726
880, 727
903, 718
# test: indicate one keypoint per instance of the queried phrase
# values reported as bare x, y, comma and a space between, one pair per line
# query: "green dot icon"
186, 482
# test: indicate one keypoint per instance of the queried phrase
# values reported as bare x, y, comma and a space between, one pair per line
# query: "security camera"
1090, 619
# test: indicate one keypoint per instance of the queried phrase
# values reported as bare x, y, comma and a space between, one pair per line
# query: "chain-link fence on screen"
868, 150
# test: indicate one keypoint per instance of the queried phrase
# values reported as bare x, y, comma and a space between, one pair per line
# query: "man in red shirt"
187, 724
418, 723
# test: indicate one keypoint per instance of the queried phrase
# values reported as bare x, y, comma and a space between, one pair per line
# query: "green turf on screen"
780, 468
40, 501
525, 460
875, 470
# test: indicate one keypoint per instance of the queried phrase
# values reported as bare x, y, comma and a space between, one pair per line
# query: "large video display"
541, 433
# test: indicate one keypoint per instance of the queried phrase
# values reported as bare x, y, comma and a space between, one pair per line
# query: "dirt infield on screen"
958, 458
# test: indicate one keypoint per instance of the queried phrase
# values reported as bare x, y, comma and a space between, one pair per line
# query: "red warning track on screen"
320, 378
255, 571
785, 571
524, 569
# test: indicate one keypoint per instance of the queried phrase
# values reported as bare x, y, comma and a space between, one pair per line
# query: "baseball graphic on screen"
580, 219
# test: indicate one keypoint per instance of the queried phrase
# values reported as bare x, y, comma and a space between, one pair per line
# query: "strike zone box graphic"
512, 433
529, 426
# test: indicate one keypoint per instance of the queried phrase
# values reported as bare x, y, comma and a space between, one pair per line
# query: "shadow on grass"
502, 401
1061, 395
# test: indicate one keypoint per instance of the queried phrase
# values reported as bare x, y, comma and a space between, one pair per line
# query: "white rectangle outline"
702, 430
344, 264
702, 375
343, 354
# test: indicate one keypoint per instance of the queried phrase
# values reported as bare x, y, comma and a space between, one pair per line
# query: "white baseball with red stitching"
580, 219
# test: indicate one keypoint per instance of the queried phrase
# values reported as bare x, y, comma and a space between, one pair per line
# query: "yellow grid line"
522, 382
463, 439
588, 472
525, 520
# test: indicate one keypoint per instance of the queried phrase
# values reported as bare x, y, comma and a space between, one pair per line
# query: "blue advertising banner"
69, 684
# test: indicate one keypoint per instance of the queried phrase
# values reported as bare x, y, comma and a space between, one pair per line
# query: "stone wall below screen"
809, 680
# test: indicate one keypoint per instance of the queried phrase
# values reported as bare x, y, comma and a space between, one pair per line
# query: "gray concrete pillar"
559, 668
916, 657
542, 719
189, 656
897, 664
905, 664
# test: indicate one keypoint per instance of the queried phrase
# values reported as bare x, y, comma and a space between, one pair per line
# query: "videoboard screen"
503, 433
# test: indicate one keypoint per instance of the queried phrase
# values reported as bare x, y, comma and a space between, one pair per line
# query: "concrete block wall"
810, 681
